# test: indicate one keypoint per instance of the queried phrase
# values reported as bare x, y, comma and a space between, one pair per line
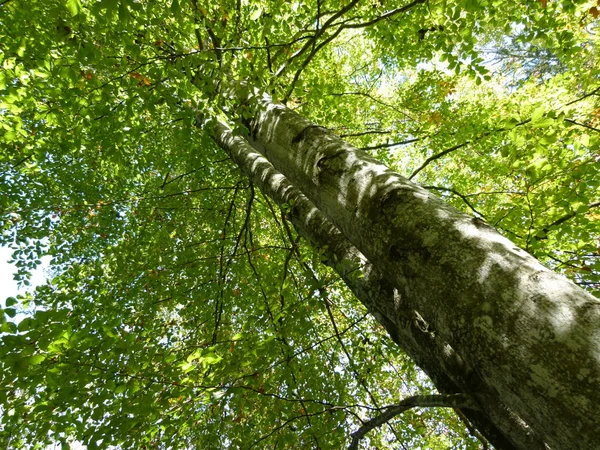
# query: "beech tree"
309, 224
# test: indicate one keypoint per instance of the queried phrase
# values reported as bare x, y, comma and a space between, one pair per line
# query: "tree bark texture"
523, 340
373, 291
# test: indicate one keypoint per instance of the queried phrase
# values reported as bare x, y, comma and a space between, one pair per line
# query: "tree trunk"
526, 337
373, 291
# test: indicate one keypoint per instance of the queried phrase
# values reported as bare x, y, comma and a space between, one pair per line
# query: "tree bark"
527, 338
445, 368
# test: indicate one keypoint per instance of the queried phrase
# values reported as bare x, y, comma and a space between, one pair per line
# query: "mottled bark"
443, 366
522, 333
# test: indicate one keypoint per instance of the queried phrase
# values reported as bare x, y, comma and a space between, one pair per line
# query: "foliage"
183, 309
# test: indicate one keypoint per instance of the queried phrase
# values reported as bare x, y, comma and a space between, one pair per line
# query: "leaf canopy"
182, 309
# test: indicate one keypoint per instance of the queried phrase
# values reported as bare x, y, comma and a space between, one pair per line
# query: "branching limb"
566, 217
437, 156
375, 100
365, 133
269, 60
459, 146
390, 144
458, 194
197, 30
307, 61
582, 125
387, 15
316, 36
589, 94
336, 33
421, 401
563, 263
216, 44
223, 266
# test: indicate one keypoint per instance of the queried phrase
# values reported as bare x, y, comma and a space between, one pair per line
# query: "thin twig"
336, 33
387, 15
437, 156
222, 267
582, 125
365, 133
458, 194
376, 100
421, 401
390, 144
566, 217
589, 94
316, 36
22, 161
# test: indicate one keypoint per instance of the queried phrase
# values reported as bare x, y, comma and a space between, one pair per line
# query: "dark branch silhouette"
422, 401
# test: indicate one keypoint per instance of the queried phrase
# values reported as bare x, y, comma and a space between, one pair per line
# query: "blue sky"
8, 286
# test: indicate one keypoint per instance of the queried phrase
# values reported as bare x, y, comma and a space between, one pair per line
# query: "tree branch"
387, 15
589, 94
262, 47
197, 30
421, 401
333, 36
307, 61
437, 156
390, 144
582, 125
216, 44
316, 36
566, 217
458, 194
22, 161
376, 100
456, 147
364, 133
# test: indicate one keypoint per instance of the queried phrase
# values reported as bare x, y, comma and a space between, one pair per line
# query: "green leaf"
256, 13
585, 139
111, 5
548, 122
175, 8
36, 359
538, 113
124, 15
193, 356
73, 6
25, 324
211, 359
